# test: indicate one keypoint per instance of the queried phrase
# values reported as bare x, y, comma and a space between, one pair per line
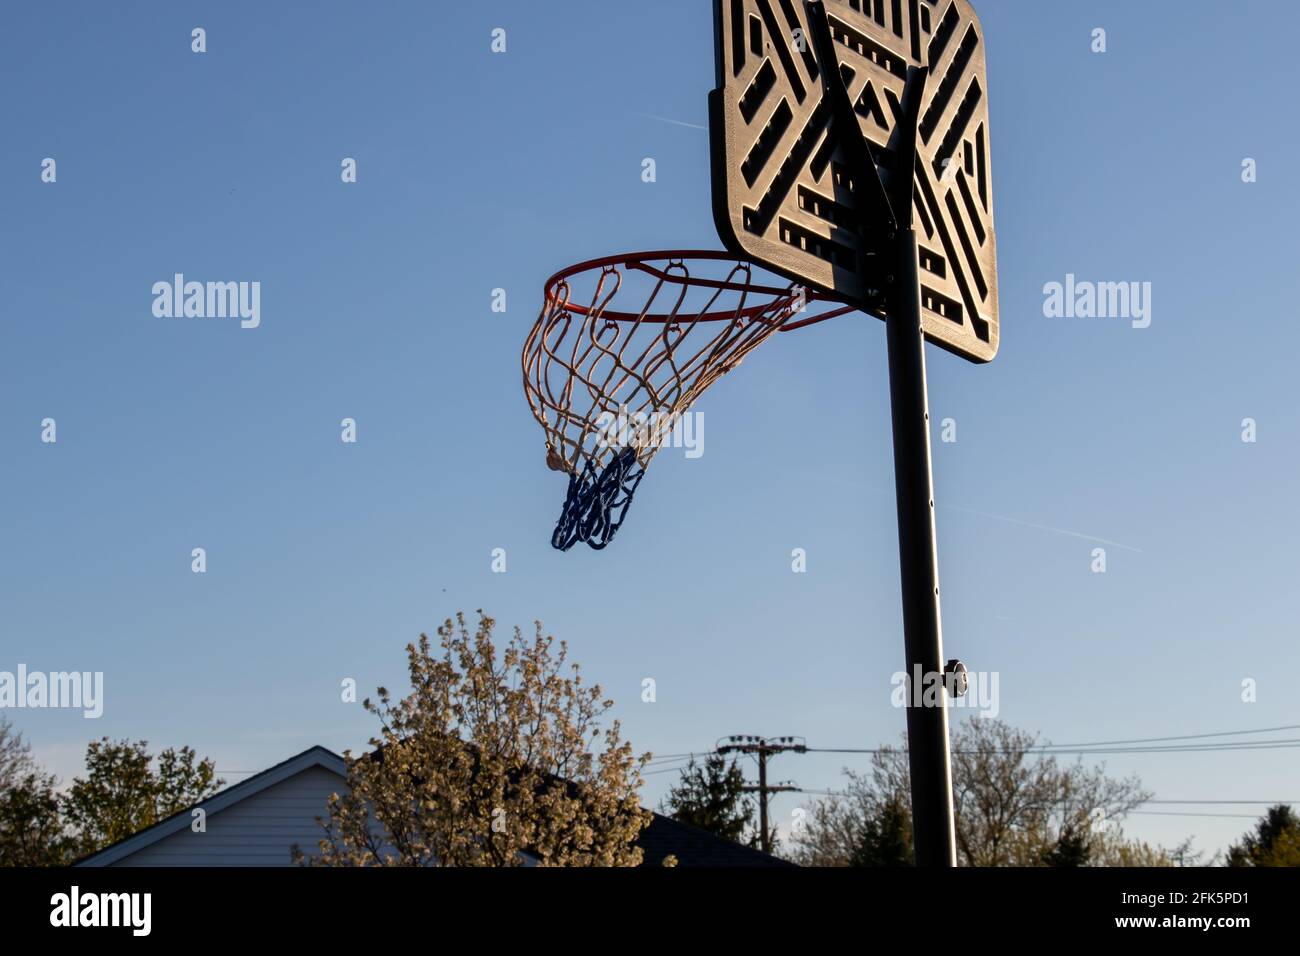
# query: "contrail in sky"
665, 119
1007, 519
1042, 527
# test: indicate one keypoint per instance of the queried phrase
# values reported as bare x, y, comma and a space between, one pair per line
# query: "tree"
15, 755
487, 759
886, 838
1073, 847
711, 796
1013, 807
122, 793
1275, 841
31, 829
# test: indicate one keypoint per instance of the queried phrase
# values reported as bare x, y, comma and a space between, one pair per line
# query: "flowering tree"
488, 762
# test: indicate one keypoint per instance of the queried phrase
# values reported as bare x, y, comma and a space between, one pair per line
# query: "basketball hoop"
623, 347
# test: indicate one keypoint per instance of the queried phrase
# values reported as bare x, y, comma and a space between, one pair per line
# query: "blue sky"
479, 170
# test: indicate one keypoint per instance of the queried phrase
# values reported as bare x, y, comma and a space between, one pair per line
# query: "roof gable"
314, 757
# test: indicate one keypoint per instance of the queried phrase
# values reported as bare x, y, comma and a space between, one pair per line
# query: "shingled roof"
695, 847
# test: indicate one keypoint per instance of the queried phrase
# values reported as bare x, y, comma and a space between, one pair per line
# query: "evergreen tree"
711, 796
886, 837
1073, 847
1274, 842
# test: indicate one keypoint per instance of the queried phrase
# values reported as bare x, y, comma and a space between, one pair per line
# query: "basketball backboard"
794, 194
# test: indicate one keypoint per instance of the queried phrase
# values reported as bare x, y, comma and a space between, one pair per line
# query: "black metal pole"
927, 726
762, 799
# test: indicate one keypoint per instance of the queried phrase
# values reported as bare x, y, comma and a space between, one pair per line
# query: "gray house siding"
257, 831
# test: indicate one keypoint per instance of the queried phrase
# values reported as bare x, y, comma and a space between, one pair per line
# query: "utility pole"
762, 748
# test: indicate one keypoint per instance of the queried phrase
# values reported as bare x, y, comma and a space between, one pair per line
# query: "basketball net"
609, 376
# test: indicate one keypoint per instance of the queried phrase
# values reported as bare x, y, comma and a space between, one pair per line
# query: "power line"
762, 748
1148, 813
1176, 813
1232, 803
656, 758
1154, 740
1173, 749
651, 773
1097, 746
1243, 746
1266, 803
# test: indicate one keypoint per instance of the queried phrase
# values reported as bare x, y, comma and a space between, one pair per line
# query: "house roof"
313, 757
695, 847
691, 846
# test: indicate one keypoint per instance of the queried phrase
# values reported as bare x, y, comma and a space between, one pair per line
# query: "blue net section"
596, 503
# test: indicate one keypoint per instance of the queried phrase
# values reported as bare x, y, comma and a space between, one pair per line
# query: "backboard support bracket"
874, 208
